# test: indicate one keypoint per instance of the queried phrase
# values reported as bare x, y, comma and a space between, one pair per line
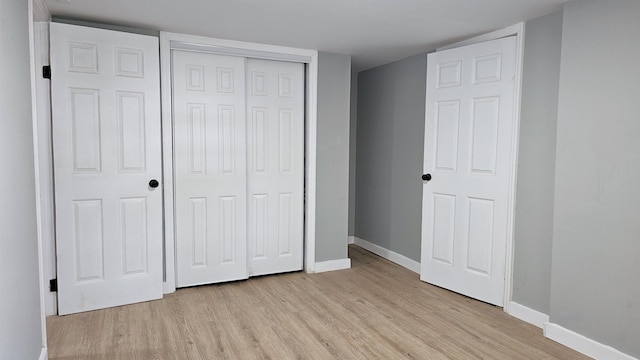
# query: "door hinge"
53, 285
46, 72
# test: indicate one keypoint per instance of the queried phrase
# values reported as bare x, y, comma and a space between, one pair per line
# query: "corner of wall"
332, 265
528, 315
332, 165
533, 230
389, 255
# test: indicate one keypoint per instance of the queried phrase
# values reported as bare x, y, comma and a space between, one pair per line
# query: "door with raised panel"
210, 167
105, 92
467, 167
275, 153
239, 166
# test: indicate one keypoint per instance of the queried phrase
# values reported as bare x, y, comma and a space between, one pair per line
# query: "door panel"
106, 139
239, 153
275, 150
468, 151
210, 167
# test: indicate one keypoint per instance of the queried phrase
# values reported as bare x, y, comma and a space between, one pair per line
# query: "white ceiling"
374, 32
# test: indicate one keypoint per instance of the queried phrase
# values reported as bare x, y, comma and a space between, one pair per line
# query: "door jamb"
38, 12
518, 31
169, 41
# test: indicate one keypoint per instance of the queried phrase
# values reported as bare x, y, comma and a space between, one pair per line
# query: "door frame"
170, 41
39, 89
516, 30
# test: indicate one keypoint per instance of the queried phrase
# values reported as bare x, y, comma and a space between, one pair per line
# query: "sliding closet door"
239, 167
275, 151
210, 167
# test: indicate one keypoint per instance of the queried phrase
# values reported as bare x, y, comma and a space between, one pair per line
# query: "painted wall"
353, 130
20, 311
536, 163
596, 233
576, 231
332, 193
389, 155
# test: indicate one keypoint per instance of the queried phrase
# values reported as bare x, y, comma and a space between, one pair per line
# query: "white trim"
351, 240
529, 315
516, 30
169, 41
36, 164
237, 48
508, 281
311, 161
169, 284
497, 34
389, 255
238, 51
331, 265
40, 11
583, 344
45, 164
43, 354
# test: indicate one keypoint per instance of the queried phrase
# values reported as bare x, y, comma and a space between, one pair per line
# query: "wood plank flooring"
375, 310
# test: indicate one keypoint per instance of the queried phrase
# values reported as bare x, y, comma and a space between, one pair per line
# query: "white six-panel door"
275, 153
468, 154
210, 167
238, 162
106, 139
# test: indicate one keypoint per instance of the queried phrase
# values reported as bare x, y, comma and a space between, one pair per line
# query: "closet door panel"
210, 167
275, 158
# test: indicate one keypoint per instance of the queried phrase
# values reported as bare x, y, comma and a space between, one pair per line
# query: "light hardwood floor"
376, 310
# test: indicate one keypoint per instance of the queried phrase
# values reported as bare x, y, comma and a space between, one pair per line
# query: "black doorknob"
153, 183
426, 177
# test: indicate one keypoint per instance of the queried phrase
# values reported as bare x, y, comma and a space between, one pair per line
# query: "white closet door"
106, 142
275, 150
210, 167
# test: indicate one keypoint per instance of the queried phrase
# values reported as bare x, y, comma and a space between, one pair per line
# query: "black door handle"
153, 183
426, 177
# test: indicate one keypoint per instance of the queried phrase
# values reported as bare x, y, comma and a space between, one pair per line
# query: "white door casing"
275, 160
107, 148
174, 41
468, 152
210, 167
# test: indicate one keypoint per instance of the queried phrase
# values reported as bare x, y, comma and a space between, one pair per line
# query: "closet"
211, 191
238, 137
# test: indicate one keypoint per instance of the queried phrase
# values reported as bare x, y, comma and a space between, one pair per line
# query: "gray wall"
332, 193
577, 229
389, 155
20, 322
595, 289
536, 162
353, 129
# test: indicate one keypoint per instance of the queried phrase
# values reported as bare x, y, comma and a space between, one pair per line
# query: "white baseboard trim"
529, 315
168, 288
43, 354
583, 344
331, 265
351, 240
389, 255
